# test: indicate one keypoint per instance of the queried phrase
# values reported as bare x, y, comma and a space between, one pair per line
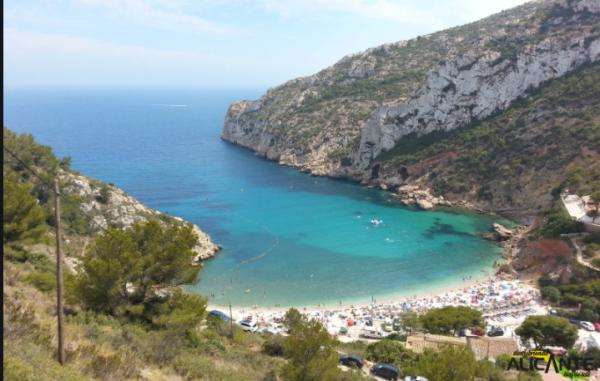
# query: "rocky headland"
399, 116
105, 205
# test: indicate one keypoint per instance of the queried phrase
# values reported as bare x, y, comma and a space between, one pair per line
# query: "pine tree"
23, 218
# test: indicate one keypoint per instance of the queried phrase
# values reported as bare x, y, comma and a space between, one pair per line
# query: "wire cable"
27, 167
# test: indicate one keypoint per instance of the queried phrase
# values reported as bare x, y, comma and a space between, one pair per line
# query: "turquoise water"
288, 238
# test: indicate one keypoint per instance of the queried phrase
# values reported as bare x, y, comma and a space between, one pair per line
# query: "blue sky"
207, 43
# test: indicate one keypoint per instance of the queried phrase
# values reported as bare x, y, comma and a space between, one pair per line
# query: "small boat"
376, 222
247, 290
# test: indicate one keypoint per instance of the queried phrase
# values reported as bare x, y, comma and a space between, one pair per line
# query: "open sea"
288, 238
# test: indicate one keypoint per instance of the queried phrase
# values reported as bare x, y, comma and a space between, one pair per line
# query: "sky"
207, 43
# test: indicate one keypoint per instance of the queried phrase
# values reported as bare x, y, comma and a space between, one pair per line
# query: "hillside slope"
343, 120
510, 162
89, 205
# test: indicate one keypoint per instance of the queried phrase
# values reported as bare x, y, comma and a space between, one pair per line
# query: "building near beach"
578, 208
483, 347
421, 341
491, 347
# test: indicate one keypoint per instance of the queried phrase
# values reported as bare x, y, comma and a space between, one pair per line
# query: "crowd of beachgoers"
503, 302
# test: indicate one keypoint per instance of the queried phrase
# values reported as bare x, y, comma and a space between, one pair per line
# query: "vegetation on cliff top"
330, 107
546, 141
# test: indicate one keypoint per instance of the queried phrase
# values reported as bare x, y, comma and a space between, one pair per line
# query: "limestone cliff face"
108, 206
340, 121
469, 88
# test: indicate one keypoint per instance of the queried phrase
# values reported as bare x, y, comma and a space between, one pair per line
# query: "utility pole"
59, 277
230, 321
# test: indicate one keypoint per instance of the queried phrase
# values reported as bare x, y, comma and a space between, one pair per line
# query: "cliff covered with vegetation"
403, 113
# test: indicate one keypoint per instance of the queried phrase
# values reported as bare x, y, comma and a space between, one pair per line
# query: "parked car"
396, 325
387, 327
597, 326
415, 378
370, 333
352, 361
387, 371
248, 326
574, 321
554, 312
220, 315
556, 351
477, 332
494, 332
270, 331
587, 326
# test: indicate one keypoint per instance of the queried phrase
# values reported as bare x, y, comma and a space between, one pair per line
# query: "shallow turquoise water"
288, 238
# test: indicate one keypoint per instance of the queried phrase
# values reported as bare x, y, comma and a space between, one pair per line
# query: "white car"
371, 334
248, 326
271, 330
587, 325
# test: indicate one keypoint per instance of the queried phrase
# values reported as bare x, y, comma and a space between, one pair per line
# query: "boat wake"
167, 105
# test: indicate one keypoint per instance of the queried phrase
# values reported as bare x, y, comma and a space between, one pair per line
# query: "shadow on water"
262, 172
438, 229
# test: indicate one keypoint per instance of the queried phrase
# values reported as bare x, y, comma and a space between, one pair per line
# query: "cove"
289, 238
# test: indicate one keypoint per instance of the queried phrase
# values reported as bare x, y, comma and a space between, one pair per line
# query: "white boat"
376, 222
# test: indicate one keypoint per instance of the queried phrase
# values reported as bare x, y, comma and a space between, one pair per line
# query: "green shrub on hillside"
43, 281
309, 349
75, 219
23, 218
548, 331
557, 222
592, 238
591, 249
124, 267
391, 352
551, 294
448, 364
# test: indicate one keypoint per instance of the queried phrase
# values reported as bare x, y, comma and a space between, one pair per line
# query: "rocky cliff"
349, 119
106, 206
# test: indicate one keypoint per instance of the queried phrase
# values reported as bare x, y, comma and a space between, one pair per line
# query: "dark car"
219, 314
352, 361
496, 332
387, 371
575, 321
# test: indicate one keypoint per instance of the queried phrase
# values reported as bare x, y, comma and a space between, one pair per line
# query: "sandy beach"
504, 303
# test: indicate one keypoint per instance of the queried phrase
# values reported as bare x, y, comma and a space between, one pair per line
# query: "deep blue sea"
288, 238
